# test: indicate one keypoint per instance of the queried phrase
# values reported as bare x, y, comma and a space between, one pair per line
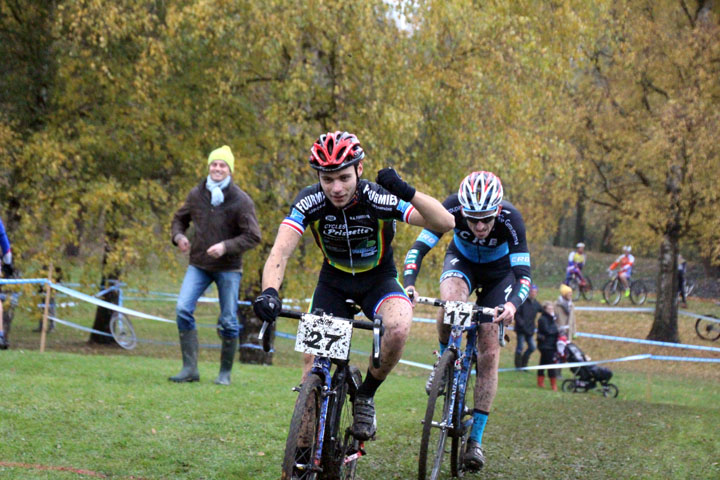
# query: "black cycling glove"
390, 180
267, 305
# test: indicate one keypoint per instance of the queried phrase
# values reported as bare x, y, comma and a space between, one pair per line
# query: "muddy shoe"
364, 425
474, 456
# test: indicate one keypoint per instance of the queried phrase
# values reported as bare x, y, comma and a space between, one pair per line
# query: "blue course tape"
20, 281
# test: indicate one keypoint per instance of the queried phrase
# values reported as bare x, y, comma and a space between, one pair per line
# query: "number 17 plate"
324, 335
458, 313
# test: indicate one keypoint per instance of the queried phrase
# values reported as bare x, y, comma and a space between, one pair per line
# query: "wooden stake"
45, 311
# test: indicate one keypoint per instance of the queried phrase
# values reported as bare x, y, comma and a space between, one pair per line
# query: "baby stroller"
587, 377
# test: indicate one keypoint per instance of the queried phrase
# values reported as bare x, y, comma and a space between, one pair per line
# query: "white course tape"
108, 305
631, 358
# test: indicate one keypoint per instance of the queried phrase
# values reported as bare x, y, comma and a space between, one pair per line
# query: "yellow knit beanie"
564, 289
225, 154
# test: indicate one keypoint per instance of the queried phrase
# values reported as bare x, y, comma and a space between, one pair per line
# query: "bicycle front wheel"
461, 431
611, 292
301, 444
437, 421
587, 289
341, 448
638, 292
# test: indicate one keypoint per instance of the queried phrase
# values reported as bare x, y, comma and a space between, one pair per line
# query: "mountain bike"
613, 291
320, 443
581, 285
708, 329
449, 416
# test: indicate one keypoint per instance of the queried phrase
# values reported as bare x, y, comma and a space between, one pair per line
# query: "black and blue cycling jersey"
356, 238
4, 240
479, 261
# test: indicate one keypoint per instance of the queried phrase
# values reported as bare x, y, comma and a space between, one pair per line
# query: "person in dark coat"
547, 336
225, 227
525, 327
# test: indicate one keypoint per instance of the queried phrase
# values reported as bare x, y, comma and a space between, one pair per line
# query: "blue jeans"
196, 281
521, 339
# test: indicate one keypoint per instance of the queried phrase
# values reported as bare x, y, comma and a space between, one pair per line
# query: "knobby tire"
461, 435
301, 443
432, 447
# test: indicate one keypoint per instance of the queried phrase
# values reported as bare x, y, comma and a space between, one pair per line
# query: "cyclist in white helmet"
489, 254
624, 264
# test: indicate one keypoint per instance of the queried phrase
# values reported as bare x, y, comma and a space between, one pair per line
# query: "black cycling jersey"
357, 237
503, 251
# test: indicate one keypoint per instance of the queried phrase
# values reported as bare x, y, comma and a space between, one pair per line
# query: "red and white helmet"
480, 193
334, 151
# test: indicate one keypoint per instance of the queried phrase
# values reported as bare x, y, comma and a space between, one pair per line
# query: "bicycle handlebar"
376, 326
436, 302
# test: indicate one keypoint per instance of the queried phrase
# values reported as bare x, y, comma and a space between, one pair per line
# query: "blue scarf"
215, 189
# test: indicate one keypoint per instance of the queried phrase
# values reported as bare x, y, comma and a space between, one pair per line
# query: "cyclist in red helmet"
353, 222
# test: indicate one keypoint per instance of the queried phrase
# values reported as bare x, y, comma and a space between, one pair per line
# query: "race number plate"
324, 336
458, 313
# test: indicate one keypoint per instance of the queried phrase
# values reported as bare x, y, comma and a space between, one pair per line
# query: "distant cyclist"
624, 264
353, 222
576, 262
488, 252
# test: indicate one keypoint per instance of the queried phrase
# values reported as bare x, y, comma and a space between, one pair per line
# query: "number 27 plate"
458, 313
324, 336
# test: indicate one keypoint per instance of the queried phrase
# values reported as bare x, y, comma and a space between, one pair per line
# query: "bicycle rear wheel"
461, 432
638, 292
437, 421
610, 390
301, 444
587, 289
340, 449
707, 330
612, 292
575, 285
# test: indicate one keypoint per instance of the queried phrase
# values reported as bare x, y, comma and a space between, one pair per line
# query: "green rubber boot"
189, 349
227, 355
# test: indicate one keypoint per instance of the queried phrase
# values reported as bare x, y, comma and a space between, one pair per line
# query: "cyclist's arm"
519, 261
430, 213
285, 243
423, 244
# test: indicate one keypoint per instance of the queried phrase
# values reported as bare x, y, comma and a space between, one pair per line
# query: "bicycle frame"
463, 366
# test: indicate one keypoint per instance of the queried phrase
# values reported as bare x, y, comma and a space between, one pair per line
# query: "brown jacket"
233, 222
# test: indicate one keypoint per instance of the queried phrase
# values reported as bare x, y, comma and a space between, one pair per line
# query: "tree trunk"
580, 217
102, 314
664, 327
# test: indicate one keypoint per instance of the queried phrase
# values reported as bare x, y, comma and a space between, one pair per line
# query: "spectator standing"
682, 269
565, 312
547, 337
225, 227
525, 327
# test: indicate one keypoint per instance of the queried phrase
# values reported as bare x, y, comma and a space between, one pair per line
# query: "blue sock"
443, 347
480, 418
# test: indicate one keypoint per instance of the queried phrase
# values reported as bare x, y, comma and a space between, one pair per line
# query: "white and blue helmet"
480, 193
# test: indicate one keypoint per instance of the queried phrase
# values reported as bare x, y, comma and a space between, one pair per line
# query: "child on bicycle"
353, 222
624, 264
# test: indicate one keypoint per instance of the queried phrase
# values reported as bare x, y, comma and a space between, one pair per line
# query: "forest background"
601, 118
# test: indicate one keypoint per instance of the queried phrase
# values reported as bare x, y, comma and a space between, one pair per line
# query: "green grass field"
78, 411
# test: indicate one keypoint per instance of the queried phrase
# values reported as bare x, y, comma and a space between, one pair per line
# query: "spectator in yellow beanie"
565, 311
225, 154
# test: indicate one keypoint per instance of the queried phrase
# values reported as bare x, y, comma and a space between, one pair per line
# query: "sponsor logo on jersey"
341, 230
412, 266
411, 255
519, 259
355, 217
427, 238
454, 261
330, 218
386, 199
297, 216
309, 201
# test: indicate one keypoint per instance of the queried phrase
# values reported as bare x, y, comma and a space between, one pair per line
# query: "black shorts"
493, 287
367, 289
